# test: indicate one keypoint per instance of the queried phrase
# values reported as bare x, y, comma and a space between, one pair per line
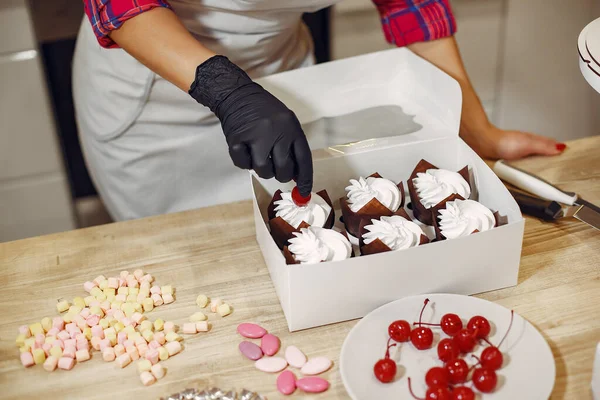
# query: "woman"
152, 149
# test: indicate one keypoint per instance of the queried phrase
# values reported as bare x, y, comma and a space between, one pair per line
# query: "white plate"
528, 371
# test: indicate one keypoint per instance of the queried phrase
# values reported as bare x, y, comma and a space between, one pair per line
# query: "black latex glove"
261, 132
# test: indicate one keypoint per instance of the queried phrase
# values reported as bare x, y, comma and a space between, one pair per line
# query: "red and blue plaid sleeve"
409, 21
108, 15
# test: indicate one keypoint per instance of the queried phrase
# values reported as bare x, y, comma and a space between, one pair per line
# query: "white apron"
149, 147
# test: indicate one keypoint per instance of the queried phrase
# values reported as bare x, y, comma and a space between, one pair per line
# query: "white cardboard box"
319, 294
596, 375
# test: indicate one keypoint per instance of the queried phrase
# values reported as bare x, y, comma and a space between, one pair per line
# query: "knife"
575, 205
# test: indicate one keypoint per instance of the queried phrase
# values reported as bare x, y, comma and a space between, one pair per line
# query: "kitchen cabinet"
34, 190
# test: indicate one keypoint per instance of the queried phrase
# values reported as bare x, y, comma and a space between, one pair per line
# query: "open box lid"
375, 100
588, 46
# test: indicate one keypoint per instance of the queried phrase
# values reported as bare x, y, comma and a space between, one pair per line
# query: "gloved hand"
261, 132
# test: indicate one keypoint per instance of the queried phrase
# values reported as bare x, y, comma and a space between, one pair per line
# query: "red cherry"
385, 370
479, 324
298, 199
485, 379
458, 371
437, 376
399, 331
492, 358
465, 340
463, 393
447, 350
421, 338
451, 324
433, 393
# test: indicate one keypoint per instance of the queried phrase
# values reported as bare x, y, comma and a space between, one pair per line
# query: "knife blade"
576, 206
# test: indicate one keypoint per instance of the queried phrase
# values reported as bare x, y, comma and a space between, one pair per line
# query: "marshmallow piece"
148, 304
36, 328
197, 317
154, 344
46, 347
146, 326
215, 304
62, 306
128, 309
157, 300
59, 343
51, 363
105, 306
92, 320
224, 310
123, 290
148, 335
172, 337
58, 323
163, 354
85, 312
39, 356
168, 298
155, 289
97, 331
113, 283
132, 298
123, 360
95, 341
103, 285
152, 356
96, 292
121, 337
66, 363
88, 300
82, 345
121, 298
173, 348
202, 326
144, 365
201, 301
158, 325
160, 337
147, 278
20, 341
168, 327
138, 317
79, 302
147, 378
70, 343
46, 324
56, 352
132, 283
87, 333
189, 328
158, 371
140, 341
63, 335
167, 289
134, 290
108, 354
133, 353
142, 350
138, 273
145, 285
104, 343
69, 351
82, 355
27, 359
123, 274
99, 278
112, 338
119, 350
88, 286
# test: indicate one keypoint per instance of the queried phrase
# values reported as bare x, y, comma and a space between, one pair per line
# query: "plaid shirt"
404, 21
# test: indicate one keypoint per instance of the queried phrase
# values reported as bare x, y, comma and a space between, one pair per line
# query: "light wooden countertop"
213, 251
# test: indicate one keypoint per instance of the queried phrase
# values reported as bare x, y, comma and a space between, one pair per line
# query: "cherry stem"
512, 315
425, 323
477, 358
411, 391
423, 309
387, 351
487, 341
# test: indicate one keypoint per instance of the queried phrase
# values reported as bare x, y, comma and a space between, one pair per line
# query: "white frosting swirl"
396, 232
315, 213
361, 191
434, 185
313, 245
463, 217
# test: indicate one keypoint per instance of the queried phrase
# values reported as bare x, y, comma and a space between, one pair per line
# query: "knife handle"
536, 207
532, 184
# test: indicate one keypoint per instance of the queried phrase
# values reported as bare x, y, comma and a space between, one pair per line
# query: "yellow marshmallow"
36, 328
104, 323
62, 306
197, 317
148, 335
119, 327
79, 302
103, 285
20, 342
88, 300
202, 301
167, 289
224, 310
159, 324
46, 324
172, 336
163, 353
56, 351
38, 356
148, 304
87, 332
123, 290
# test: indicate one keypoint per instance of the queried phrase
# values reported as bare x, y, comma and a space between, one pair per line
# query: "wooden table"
213, 251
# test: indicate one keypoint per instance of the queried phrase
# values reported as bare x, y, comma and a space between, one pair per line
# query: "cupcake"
368, 199
393, 233
461, 218
287, 217
313, 245
429, 186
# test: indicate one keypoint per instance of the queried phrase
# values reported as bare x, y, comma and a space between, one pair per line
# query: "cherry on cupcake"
298, 199
422, 337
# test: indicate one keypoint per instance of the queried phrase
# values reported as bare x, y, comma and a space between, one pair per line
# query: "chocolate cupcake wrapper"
377, 246
372, 210
282, 231
420, 212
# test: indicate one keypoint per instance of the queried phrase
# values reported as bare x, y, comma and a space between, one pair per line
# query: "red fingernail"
561, 146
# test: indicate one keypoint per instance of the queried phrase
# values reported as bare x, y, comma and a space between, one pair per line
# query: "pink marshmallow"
82, 345
36, 345
132, 283
96, 342
71, 326
121, 337
145, 285
40, 338
51, 363
108, 354
113, 283
152, 356
123, 274
154, 344
168, 298
24, 330
173, 348
122, 282
147, 378
74, 334
27, 359
53, 332
59, 323
98, 332
88, 286
133, 353
119, 349
155, 289
140, 341
189, 328
169, 326
93, 320
80, 336
63, 335
82, 355
85, 313
157, 299
158, 371
46, 347
160, 337
69, 351
123, 360
110, 312
142, 349
138, 274
59, 343
70, 343
128, 343
147, 278
66, 363
104, 343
